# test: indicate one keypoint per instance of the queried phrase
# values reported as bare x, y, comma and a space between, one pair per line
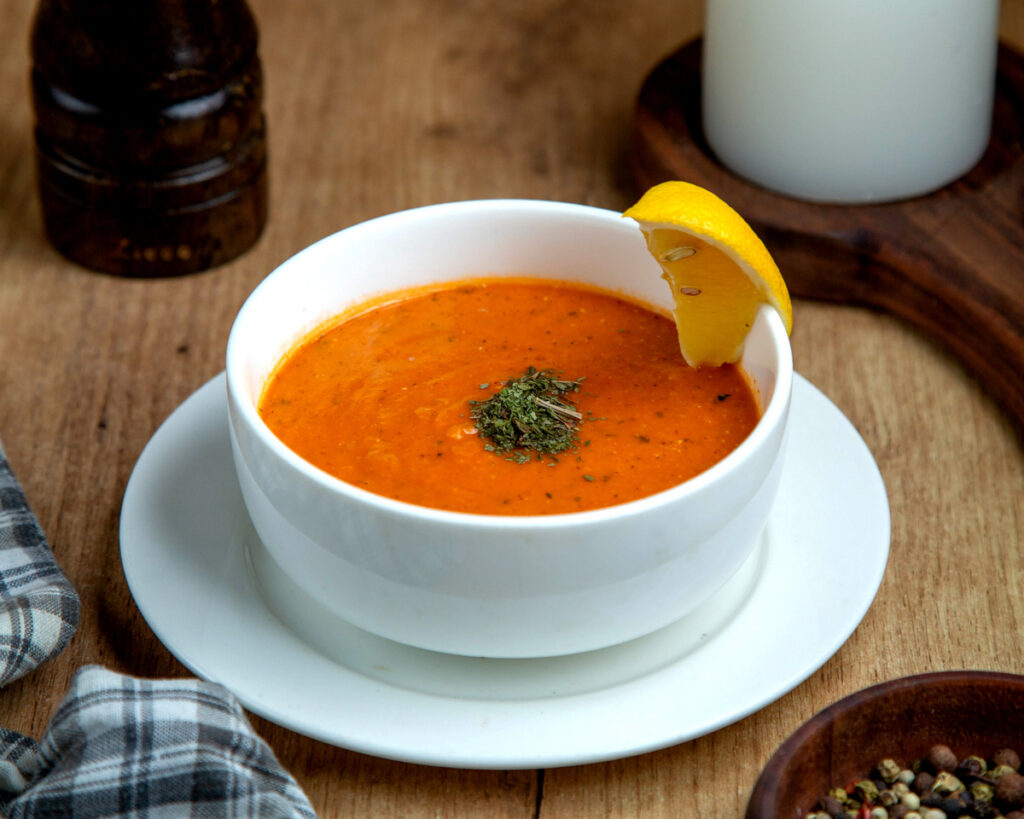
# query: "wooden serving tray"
951, 263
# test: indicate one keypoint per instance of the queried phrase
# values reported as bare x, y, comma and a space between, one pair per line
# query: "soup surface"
381, 398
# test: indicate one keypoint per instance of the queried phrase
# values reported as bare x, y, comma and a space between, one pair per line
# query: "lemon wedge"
719, 270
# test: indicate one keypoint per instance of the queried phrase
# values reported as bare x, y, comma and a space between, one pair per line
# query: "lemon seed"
677, 253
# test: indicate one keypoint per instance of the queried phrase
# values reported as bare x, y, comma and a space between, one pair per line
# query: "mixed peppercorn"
937, 786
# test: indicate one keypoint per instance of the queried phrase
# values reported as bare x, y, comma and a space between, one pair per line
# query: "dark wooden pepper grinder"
150, 135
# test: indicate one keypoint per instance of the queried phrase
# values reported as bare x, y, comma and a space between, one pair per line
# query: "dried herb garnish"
529, 413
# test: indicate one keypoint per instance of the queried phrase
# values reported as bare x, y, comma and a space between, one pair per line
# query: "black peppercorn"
971, 768
953, 807
922, 783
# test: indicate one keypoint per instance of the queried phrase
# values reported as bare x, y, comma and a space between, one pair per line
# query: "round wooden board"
951, 263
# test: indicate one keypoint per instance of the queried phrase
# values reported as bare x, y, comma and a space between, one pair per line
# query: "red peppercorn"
941, 758
1006, 756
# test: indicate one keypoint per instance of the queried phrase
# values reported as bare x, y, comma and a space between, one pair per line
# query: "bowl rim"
766, 790
774, 412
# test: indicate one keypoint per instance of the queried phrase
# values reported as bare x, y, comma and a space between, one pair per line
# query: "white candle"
849, 101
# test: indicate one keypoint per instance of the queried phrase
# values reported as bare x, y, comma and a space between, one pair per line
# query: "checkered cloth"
117, 746
38, 606
121, 746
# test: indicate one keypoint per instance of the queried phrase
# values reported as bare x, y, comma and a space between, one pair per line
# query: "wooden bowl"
973, 712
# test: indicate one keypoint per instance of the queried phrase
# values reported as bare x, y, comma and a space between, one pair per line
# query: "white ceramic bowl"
483, 585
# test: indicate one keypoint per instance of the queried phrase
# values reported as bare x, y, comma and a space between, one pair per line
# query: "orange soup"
383, 398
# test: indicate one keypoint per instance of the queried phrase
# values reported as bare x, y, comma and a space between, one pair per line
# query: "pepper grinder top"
150, 135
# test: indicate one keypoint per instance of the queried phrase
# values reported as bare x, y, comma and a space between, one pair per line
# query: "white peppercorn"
889, 769
933, 813
999, 771
982, 793
945, 783
911, 800
886, 798
865, 790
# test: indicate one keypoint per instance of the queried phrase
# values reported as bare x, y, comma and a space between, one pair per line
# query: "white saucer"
191, 559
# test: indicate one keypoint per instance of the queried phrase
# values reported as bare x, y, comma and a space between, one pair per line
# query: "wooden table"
382, 106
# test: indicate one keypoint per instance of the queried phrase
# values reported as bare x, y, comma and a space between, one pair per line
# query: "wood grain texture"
376, 107
951, 263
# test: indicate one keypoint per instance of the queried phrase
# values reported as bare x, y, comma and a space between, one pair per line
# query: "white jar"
849, 101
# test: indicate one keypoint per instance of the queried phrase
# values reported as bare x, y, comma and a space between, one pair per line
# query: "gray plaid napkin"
121, 746
117, 746
38, 606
